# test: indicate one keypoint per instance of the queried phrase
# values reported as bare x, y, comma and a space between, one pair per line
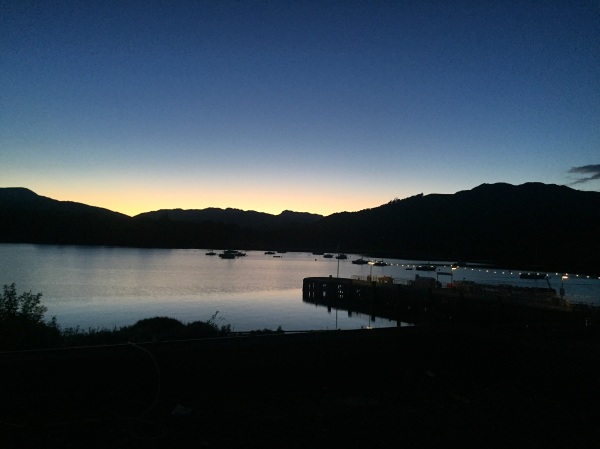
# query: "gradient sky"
313, 106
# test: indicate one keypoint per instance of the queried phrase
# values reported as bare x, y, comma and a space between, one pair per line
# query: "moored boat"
425, 268
231, 254
532, 275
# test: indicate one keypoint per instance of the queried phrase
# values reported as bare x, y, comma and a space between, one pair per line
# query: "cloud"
592, 170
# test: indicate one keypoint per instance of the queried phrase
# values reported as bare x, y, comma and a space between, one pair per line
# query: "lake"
95, 287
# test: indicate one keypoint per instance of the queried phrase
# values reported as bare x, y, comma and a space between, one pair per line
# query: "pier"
426, 301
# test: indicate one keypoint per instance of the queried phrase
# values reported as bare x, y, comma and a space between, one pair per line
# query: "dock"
426, 301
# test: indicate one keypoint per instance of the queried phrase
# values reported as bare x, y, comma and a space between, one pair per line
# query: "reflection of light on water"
97, 286
578, 288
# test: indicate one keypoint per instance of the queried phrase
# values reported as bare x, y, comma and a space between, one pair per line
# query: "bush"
146, 330
22, 324
153, 329
166, 328
25, 306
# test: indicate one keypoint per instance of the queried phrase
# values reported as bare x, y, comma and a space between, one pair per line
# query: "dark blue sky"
312, 106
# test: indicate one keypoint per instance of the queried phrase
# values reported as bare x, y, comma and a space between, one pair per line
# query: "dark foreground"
404, 387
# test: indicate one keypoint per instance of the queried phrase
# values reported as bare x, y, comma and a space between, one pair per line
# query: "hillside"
26, 217
532, 225
231, 216
529, 225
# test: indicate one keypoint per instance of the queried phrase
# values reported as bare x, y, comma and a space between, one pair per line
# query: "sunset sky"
312, 106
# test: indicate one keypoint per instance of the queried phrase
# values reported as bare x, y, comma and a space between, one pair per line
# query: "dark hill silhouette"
26, 217
231, 216
530, 226
24, 199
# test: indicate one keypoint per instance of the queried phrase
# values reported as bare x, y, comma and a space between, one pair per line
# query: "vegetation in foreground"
22, 326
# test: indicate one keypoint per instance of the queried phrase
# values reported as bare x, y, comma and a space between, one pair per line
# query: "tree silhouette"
22, 324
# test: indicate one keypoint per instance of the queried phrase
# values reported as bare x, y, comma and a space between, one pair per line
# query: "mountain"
26, 217
31, 218
532, 225
250, 219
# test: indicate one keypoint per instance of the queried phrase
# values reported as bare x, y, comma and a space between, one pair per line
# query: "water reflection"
107, 287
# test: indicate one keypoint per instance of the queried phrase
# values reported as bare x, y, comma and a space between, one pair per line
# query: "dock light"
453, 268
371, 262
562, 284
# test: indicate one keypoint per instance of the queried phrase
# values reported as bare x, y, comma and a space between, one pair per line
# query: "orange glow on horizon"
134, 202
273, 195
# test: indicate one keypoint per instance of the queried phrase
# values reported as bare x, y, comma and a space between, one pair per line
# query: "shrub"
22, 324
24, 306
153, 329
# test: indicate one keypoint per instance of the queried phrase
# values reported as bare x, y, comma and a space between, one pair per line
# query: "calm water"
107, 287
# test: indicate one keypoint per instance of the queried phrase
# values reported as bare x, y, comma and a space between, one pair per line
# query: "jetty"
425, 300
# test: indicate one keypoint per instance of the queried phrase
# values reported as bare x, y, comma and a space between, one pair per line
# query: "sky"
311, 106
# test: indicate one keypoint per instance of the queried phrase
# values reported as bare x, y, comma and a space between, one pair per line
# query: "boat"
539, 276
532, 275
227, 256
380, 263
269, 252
231, 254
360, 261
211, 253
425, 267
341, 256
327, 256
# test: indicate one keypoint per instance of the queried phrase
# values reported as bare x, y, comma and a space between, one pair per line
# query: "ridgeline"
528, 226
